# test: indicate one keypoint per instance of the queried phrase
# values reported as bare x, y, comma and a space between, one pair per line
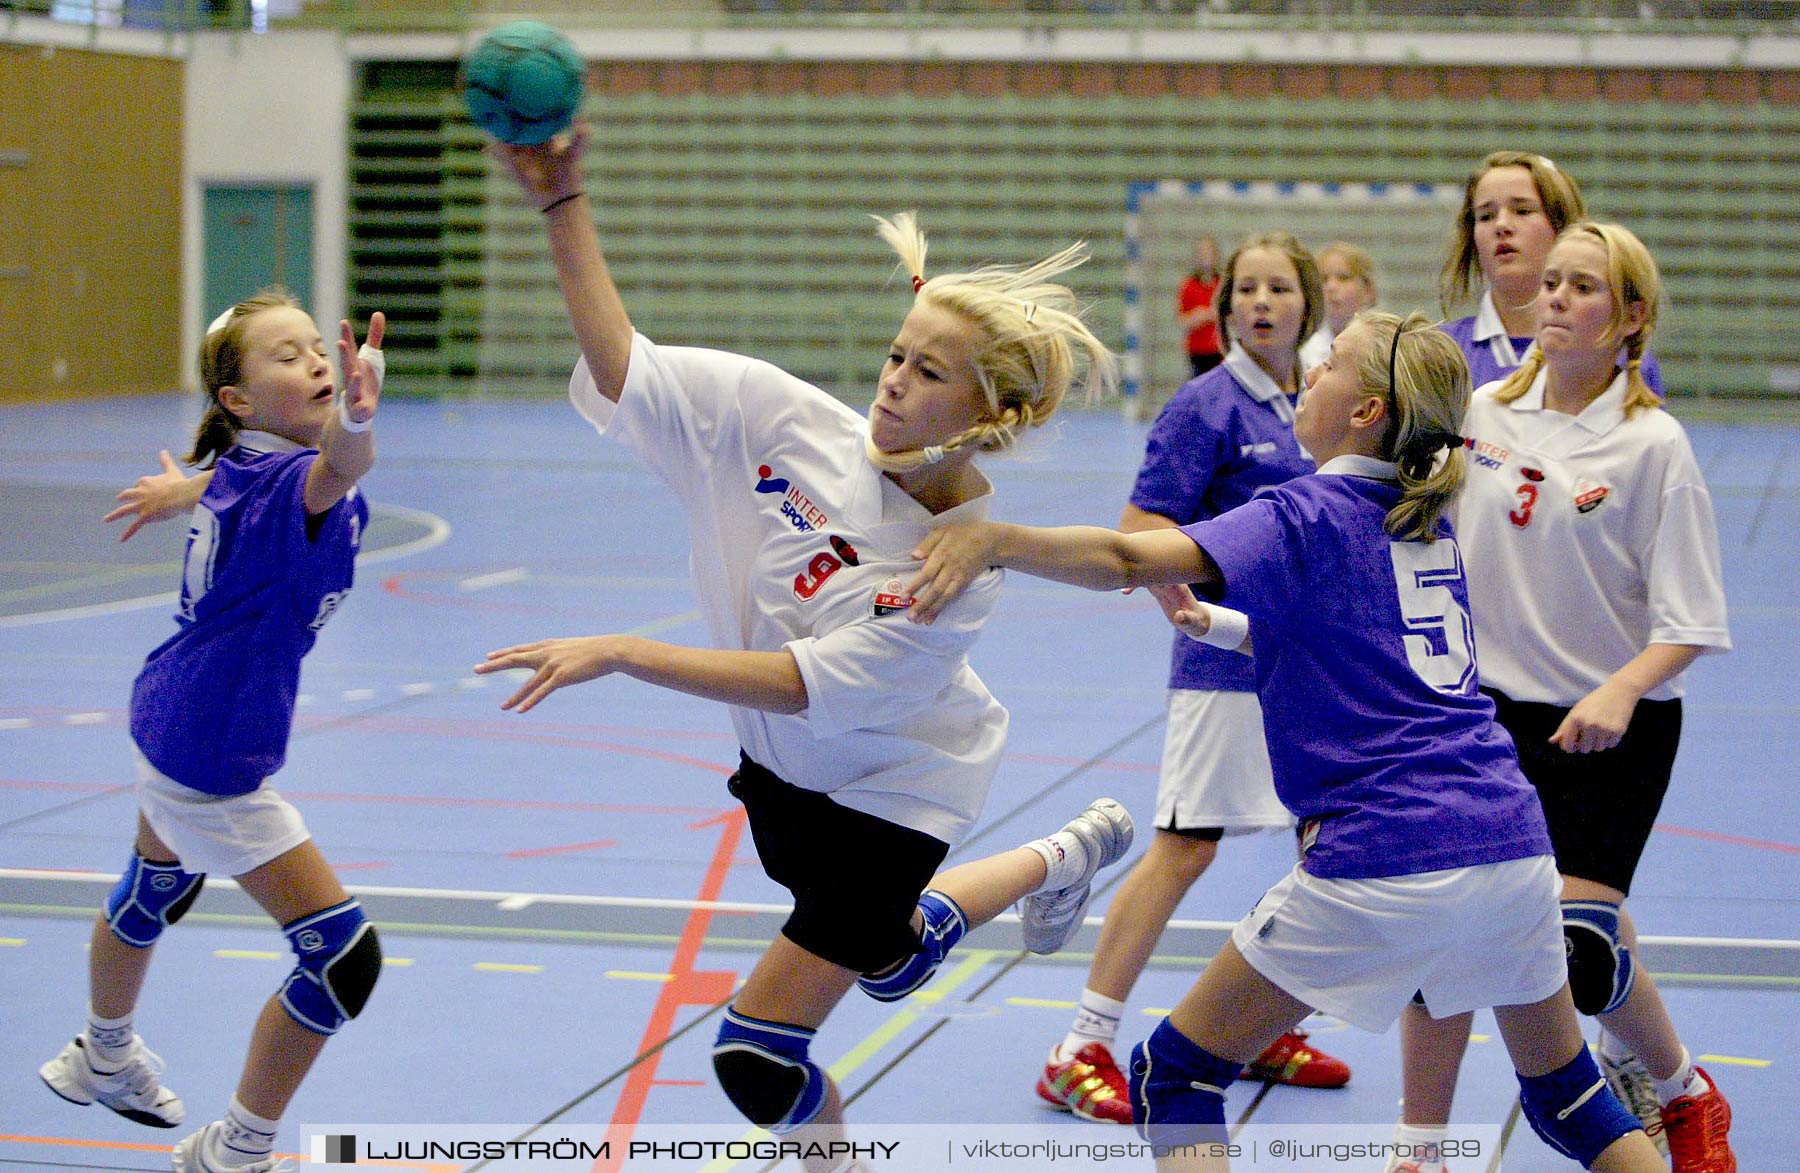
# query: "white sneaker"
1051, 917
135, 1091
192, 1156
1632, 1083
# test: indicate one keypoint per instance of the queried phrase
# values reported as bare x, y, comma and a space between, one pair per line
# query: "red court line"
685, 987
1736, 840
530, 852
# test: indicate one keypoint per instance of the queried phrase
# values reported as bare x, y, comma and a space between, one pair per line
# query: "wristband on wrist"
348, 424
1228, 628
376, 362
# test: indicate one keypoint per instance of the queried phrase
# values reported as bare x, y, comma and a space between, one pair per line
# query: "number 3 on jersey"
1528, 495
1440, 642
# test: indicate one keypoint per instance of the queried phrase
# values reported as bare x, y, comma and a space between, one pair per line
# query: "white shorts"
220, 835
1468, 938
1215, 765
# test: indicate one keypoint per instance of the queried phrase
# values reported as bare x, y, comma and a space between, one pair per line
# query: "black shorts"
855, 878
1600, 806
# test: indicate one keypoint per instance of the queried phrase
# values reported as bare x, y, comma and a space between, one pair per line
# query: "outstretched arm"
347, 449
551, 177
1083, 555
769, 681
159, 496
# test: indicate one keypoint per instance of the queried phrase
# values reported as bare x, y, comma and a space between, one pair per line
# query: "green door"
256, 237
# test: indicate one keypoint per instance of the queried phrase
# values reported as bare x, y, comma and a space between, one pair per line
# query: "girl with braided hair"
868, 743
1426, 863
1594, 569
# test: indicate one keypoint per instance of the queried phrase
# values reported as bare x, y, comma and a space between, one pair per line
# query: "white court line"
482, 582
513, 901
437, 533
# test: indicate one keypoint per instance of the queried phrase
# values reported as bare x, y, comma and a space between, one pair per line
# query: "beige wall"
90, 223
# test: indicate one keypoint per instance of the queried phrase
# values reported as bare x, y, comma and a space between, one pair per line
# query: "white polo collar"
1352, 465
1255, 380
265, 442
1597, 418
1491, 330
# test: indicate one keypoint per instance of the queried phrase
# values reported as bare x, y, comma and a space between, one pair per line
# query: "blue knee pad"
1601, 972
1178, 1089
340, 959
148, 898
1573, 1110
765, 1072
945, 924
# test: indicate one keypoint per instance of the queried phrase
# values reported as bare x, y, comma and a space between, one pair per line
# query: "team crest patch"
1589, 495
890, 597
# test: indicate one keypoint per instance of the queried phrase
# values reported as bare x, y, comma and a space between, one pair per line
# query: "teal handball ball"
523, 82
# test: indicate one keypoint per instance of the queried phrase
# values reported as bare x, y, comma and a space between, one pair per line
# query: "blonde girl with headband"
868, 743
1426, 864
1594, 566
270, 557
1514, 205
1218, 441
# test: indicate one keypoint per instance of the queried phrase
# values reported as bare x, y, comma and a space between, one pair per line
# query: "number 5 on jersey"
1440, 641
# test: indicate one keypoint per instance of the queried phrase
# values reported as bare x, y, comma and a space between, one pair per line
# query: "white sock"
108, 1039
242, 1137
1613, 1048
1065, 860
1096, 1021
1424, 1143
1685, 1082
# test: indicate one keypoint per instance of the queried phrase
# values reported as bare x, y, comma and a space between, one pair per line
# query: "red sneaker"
1090, 1085
1289, 1060
1696, 1128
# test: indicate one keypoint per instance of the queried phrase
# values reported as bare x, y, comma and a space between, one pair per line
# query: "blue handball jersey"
1365, 667
214, 704
1212, 447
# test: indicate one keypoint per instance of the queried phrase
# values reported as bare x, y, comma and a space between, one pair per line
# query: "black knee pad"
1601, 972
766, 1073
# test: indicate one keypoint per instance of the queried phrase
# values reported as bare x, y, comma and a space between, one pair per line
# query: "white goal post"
1404, 226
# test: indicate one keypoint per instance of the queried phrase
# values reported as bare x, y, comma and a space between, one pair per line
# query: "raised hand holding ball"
523, 82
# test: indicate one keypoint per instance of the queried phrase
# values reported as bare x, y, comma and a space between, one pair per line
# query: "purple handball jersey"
1212, 447
1365, 666
214, 704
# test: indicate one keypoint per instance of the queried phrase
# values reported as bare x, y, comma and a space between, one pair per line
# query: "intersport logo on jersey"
796, 506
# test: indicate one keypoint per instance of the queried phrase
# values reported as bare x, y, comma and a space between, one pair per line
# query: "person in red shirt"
1194, 308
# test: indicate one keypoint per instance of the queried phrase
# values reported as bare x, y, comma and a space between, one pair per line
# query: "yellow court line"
397, 961
1734, 1061
247, 955
12, 940
502, 967
971, 965
633, 975
1046, 1003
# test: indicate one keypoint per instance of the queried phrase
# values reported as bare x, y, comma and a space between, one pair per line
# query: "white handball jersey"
798, 542
1587, 538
